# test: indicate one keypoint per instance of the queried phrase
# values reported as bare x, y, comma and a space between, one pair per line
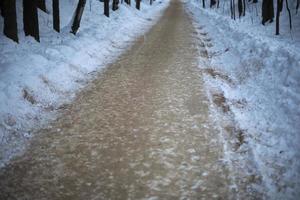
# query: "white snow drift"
37, 78
264, 91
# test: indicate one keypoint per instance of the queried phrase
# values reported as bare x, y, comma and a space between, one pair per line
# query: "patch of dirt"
216, 74
241, 138
240, 103
10, 120
254, 178
207, 39
220, 101
209, 45
203, 53
201, 44
49, 108
44, 79
29, 97
237, 134
50, 85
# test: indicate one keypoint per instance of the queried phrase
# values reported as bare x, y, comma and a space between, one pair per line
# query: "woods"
268, 9
30, 17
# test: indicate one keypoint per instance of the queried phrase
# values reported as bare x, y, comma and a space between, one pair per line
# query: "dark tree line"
267, 9
8, 11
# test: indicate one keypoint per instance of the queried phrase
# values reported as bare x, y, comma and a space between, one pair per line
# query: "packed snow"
257, 72
259, 76
36, 79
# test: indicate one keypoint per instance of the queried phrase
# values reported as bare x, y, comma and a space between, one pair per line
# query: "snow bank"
37, 78
259, 75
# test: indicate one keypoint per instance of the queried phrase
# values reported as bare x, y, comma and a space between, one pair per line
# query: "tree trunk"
240, 8
55, 9
203, 3
289, 12
115, 5
244, 7
231, 12
8, 11
1, 8
279, 9
151, 2
128, 2
212, 3
106, 8
77, 16
41, 4
138, 4
232, 9
267, 11
30, 19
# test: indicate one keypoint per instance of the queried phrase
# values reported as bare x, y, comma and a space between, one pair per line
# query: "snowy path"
140, 131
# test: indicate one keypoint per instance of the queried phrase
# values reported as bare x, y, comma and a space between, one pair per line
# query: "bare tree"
138, 4
289, 12
128, 2
30, 19
115, 5
8, 11
232, 9
279, 10
77, 16
41, 4
55, 9
212, 3
268, 11
106, 8
240, 7
244, 7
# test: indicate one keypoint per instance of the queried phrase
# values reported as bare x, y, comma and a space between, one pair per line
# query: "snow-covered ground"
259, 75
36, 79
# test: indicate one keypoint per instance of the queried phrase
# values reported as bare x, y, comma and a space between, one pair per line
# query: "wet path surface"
140, 131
